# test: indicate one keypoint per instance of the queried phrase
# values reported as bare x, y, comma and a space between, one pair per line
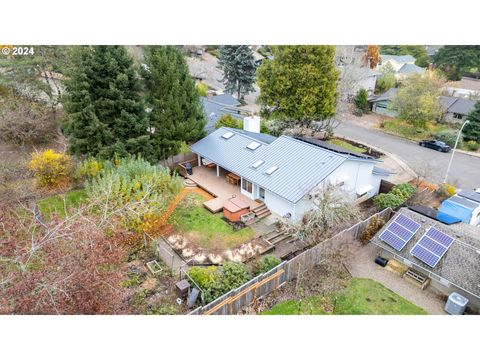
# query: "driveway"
427, 163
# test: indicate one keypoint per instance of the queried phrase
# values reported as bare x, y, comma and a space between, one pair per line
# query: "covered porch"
221, 184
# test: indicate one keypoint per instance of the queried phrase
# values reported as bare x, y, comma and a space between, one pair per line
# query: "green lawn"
207, 230
360, 297
346, 145
56, 203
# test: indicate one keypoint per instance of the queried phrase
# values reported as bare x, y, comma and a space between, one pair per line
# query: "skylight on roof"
271, 170
253, 145
228, 135
257, 163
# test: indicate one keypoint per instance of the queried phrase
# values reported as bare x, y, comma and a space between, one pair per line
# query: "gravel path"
361, 265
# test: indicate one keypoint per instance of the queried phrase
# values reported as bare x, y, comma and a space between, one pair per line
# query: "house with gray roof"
403, 65
216, 106
455, 109
458, 270
282, 172
380, 104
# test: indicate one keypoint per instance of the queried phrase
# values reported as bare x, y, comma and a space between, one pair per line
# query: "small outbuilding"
234, 208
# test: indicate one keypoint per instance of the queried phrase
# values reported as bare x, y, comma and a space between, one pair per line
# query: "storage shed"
233, 208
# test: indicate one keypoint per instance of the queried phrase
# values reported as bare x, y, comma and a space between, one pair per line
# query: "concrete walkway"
361, 264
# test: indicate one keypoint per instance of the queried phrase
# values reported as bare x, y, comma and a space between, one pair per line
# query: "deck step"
262, 212
258, 208
279, 239
263, 216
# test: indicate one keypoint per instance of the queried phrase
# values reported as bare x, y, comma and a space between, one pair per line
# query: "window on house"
228, 135
271, 170
253, 145
382, 105
257, 163
247, 186
457, 116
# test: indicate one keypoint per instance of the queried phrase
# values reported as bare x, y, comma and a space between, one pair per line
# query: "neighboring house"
216, 106
409, 69
282, 172
367, 79
397, 61
381, 104
455, 109
466, 88
457, 270
404, 65
463, 206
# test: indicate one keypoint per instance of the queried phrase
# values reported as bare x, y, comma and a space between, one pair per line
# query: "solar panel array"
399, 232
432, 246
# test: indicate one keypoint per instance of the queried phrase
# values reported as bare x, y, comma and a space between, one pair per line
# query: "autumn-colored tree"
372, 56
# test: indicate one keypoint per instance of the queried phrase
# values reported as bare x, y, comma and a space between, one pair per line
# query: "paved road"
465, 170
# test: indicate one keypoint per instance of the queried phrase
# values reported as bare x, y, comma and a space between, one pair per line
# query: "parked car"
435, 145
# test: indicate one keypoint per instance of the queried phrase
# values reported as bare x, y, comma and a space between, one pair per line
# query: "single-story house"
381, 104
409, 69
282, 172
397, 61
456, 109
217, 105
457, 270
464, 206
466, 88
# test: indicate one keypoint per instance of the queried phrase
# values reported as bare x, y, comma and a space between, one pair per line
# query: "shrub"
228, 121
449, 137
361, 100
51, 169
384, 83
265, 263
216, 281
375, 224
89, 169
403, 191
202, 89
446, 190
472, 145
383, 201
134, 190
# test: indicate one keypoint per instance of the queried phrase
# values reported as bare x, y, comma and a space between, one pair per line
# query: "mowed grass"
360, 297
207, 230
58, 203
346, 145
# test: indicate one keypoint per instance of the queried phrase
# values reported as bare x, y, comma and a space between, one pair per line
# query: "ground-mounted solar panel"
399, 232
432, 246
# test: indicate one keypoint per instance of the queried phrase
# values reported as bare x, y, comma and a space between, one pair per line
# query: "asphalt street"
431, 164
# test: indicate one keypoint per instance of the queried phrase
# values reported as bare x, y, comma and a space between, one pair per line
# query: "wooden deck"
218, 186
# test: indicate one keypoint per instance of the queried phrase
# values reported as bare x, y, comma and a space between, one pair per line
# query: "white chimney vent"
252, 124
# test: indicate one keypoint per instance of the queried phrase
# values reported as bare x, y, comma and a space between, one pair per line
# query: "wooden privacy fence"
262, 285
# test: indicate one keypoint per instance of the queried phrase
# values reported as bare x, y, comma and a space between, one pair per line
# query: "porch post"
218, 170
199, 160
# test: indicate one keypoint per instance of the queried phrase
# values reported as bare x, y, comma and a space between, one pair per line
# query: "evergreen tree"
457, 60
105, 113
177, 115
361, 100
472, 129
238, 68
299, 83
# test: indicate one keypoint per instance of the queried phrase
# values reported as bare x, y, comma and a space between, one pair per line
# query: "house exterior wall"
381, 107
367, 83
279, 205
450, 118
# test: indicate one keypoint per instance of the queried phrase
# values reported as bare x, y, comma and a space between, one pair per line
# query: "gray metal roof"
225, 99
411, 69
301, 166
447, 101
380, 171
265, 138
398, 58
387, 95
462, 106
335, 148
213, 111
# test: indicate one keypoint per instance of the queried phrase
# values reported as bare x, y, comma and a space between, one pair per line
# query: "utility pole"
453, 151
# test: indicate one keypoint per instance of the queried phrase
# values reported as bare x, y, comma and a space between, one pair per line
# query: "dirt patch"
186, 246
